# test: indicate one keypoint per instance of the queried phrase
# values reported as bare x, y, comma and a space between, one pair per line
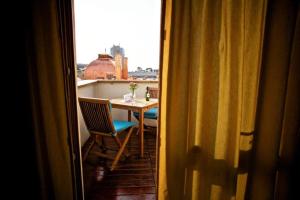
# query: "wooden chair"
97, 116
154, 92
153, 112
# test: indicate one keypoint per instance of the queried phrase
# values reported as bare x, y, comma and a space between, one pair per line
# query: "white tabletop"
138, 102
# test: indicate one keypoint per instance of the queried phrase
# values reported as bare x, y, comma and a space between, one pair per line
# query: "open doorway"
117, 46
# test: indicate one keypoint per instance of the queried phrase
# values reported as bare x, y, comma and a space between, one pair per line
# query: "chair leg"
102, 155
103, 145
138, 118
145, 126
96, 139
121, 150
126, 153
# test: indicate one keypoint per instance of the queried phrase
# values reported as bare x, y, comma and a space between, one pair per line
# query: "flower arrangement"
133, 86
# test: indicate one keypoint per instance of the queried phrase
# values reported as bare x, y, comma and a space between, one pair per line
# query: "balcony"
134, 178
110, 89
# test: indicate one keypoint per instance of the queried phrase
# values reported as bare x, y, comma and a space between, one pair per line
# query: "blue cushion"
122, 125
150, 114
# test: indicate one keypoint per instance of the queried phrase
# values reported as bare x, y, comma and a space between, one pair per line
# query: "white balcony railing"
109, 89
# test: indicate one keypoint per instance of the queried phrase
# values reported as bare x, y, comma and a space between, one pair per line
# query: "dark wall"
17, 141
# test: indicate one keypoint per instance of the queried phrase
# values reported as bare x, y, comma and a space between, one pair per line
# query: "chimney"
125, 68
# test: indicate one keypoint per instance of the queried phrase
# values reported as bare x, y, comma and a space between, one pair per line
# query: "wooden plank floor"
133, 179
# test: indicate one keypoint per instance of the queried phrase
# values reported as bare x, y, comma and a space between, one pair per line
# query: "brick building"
103, 67
108, 67
118, 53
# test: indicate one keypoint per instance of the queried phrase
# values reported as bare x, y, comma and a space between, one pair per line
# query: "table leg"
129, 115
142, 132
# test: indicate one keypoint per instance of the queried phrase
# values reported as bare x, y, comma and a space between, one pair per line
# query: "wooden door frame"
67, 32
162, 40
66, 22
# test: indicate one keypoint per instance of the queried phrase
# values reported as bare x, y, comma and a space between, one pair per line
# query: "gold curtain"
278, 113
48, 101
291, 125
210, 77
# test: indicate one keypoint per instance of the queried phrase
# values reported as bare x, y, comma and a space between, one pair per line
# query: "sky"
132, 24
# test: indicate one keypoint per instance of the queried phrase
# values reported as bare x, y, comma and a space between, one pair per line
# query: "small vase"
133, 94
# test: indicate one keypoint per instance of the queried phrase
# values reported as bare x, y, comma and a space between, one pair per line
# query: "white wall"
85, 91
108, 90
112, 90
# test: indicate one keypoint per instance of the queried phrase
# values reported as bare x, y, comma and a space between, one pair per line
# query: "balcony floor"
134, 178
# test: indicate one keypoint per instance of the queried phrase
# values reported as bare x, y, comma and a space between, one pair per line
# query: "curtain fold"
161, 164
277, 92
288, 176
48, 102
211, 90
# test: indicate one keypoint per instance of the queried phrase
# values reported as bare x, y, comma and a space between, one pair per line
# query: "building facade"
103, 67
114, 66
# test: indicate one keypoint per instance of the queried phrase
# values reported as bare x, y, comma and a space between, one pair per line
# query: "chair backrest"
97, 115
154, 92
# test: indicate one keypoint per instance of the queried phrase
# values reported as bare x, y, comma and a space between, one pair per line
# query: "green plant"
132, 86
